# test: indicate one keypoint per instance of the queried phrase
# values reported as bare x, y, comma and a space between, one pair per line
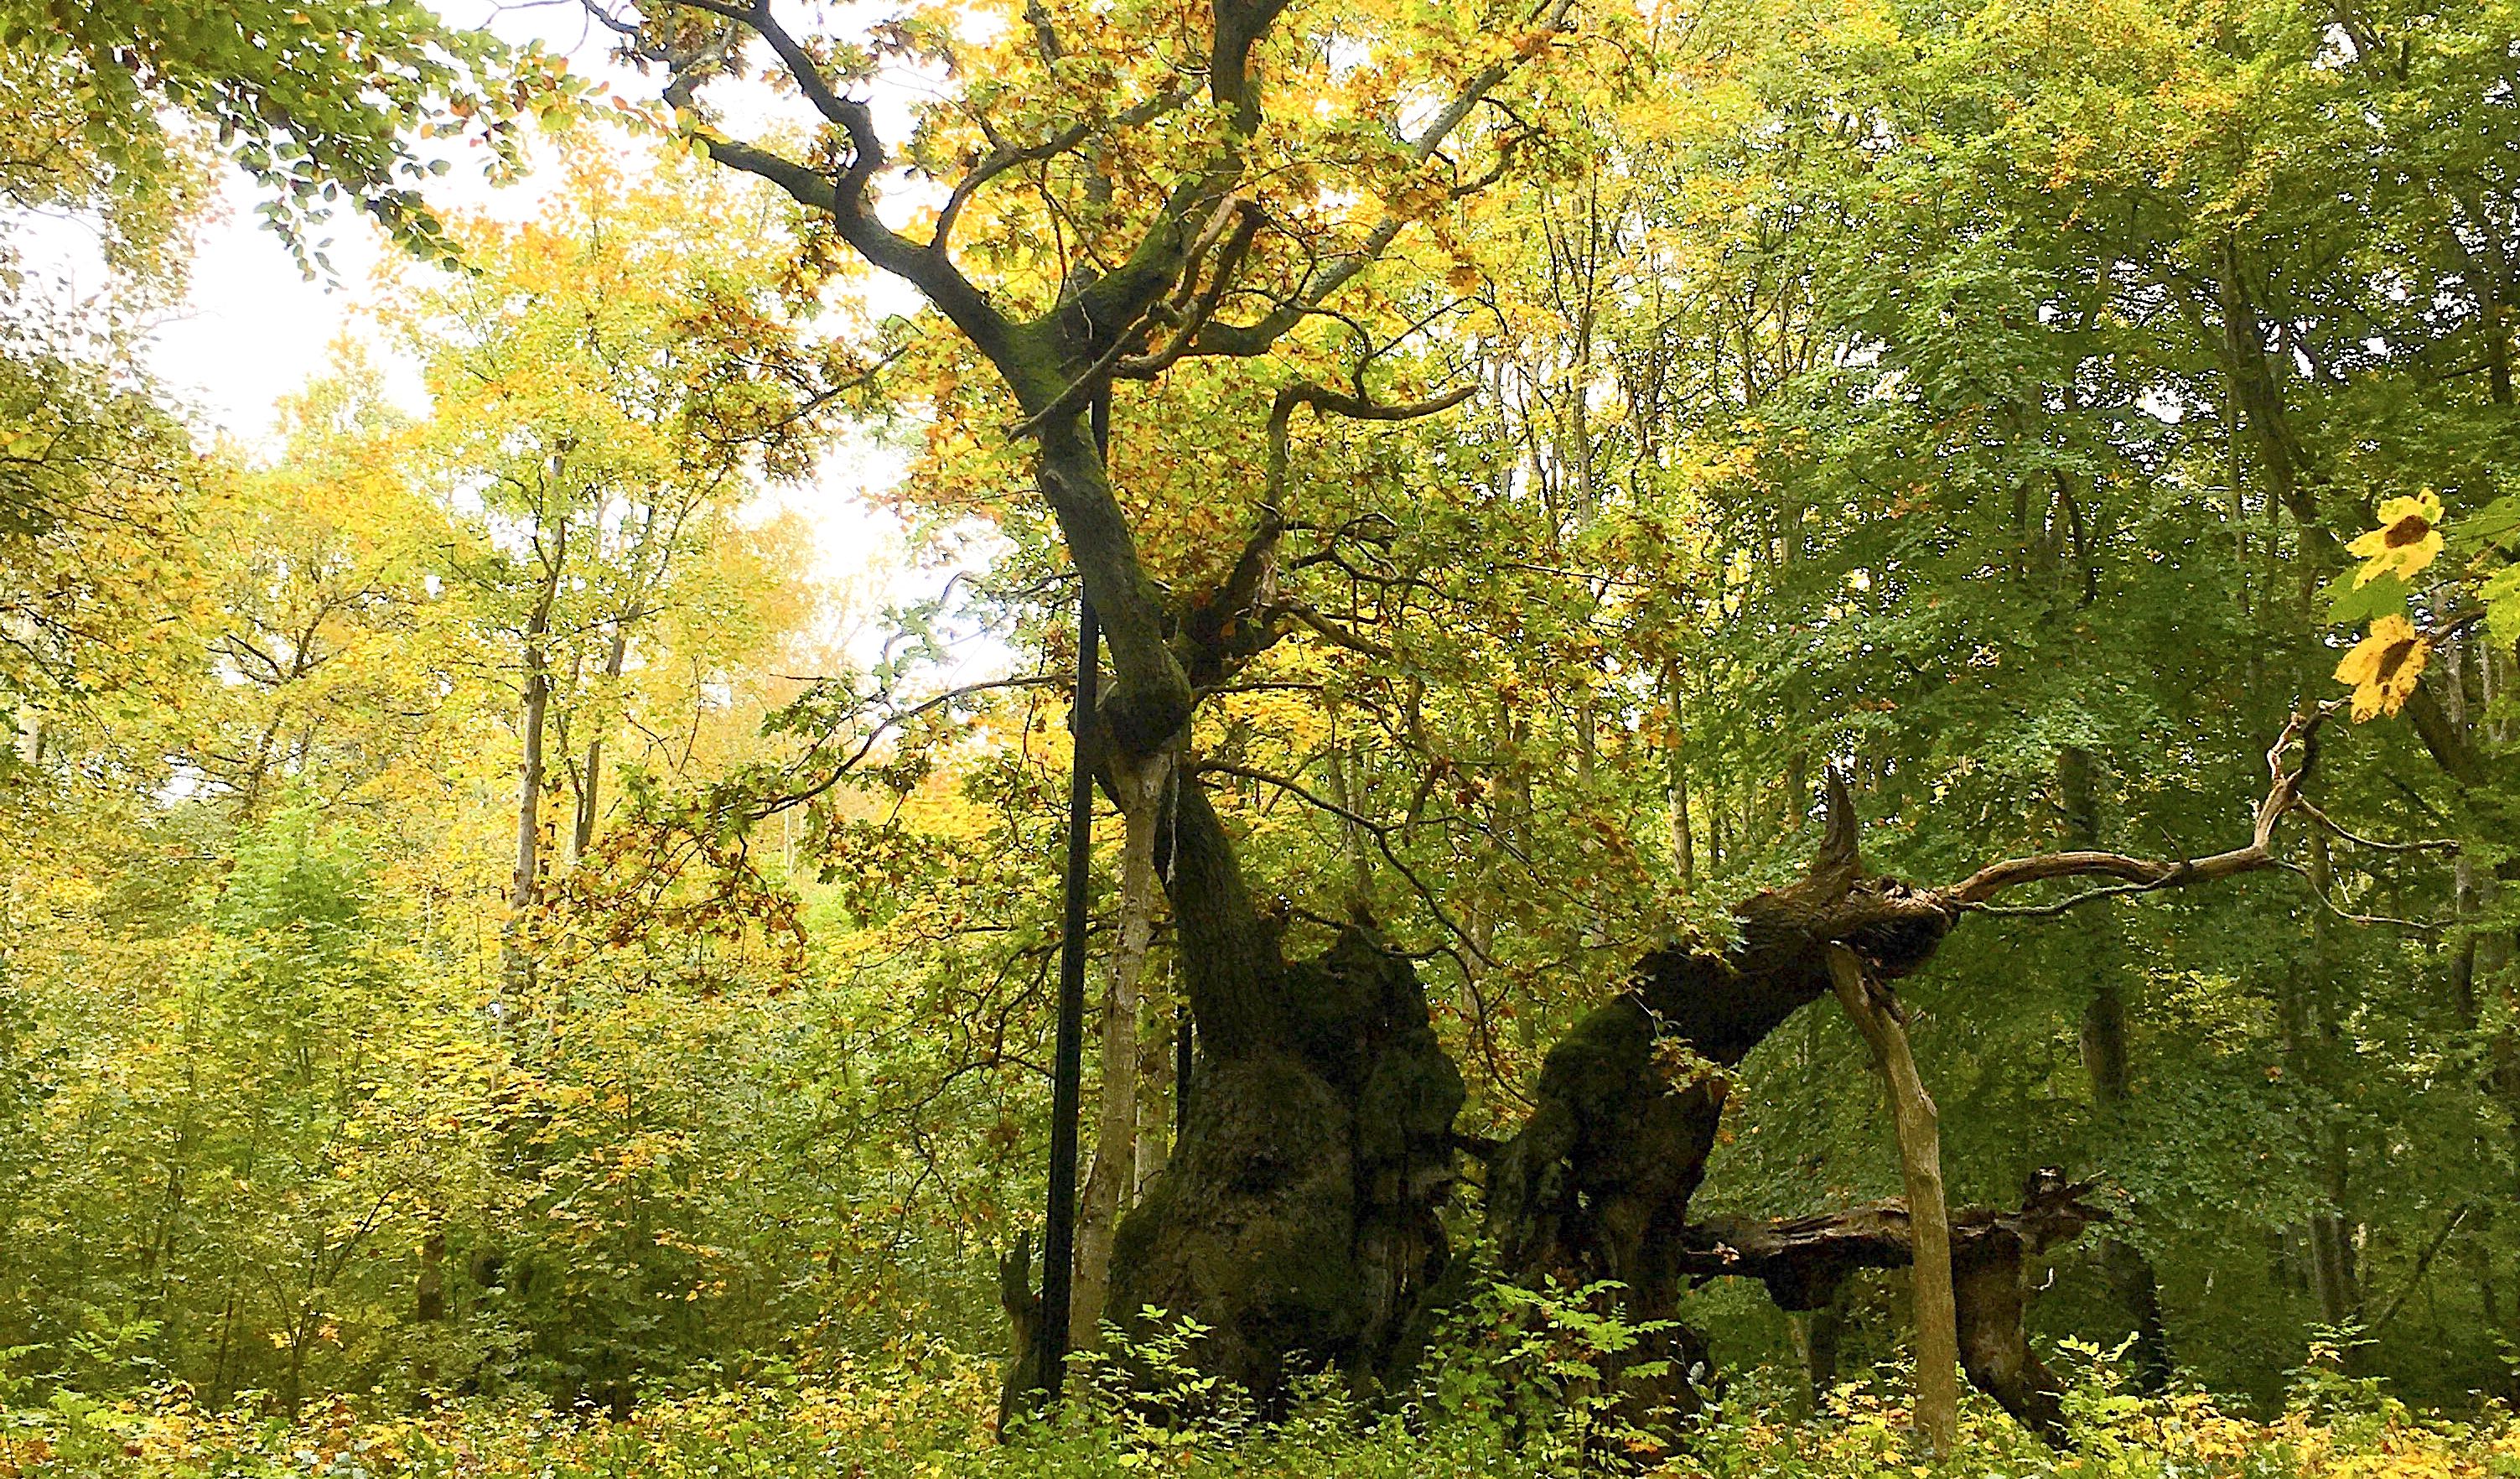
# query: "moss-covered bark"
1300, 1215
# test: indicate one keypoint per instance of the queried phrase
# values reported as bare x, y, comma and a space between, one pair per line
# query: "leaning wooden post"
1929, 1216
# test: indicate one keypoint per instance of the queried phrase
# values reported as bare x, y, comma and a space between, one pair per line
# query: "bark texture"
1113, 1179
1596, 1184
1877, 1016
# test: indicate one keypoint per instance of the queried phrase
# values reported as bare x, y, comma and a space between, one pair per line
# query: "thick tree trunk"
1598, 1183
1298, 1215
1298, 1218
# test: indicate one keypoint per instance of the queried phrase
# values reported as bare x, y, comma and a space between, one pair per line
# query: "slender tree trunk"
1929, 1218
1351, 837
526, 885
2255, 388
1157, 1054
590, 789
615, 655
1113, 1175
2495, 675
1683, 848
429, 1303
1815, 1335
525, 890
2311, 1030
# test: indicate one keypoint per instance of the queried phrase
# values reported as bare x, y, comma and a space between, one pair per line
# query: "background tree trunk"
525, 890
2108, 1065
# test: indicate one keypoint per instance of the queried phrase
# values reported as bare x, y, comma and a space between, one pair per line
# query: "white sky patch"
252, 331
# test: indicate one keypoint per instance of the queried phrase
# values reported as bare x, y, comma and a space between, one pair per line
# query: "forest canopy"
1726, 713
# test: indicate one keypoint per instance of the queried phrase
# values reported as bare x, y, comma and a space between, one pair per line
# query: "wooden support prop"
1920, 1162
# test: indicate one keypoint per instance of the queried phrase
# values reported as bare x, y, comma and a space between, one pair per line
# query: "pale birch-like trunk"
1112, 1179
1684, 847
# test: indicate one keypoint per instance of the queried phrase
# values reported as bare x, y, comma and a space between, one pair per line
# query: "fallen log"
1803, 1261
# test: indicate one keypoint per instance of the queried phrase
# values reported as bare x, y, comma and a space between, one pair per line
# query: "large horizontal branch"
1803, 1262
1897, 925
2289, 762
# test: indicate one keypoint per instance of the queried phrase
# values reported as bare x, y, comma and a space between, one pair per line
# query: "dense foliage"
497, 936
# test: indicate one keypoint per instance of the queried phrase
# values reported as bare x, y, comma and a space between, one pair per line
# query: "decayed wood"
1802, 1260
1598, 1181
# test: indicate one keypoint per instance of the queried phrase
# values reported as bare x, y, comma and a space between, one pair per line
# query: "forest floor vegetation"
936, 1417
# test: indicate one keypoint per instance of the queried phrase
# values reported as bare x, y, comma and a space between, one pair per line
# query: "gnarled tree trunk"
1300, 1216
1598, 1183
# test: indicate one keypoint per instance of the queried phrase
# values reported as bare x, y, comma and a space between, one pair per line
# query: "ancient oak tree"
1095, 197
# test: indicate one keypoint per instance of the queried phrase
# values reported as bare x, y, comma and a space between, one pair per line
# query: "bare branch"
844, 198
2143, 875
886, 724
1322, 398
1253, 338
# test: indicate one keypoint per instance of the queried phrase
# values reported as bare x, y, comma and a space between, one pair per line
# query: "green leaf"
2501, 595
2497, 525
2350, 605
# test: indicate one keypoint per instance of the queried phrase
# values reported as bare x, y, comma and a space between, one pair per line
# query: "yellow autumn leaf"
2408, 539
2384, 666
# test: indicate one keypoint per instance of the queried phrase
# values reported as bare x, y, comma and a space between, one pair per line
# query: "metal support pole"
1067, 1065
